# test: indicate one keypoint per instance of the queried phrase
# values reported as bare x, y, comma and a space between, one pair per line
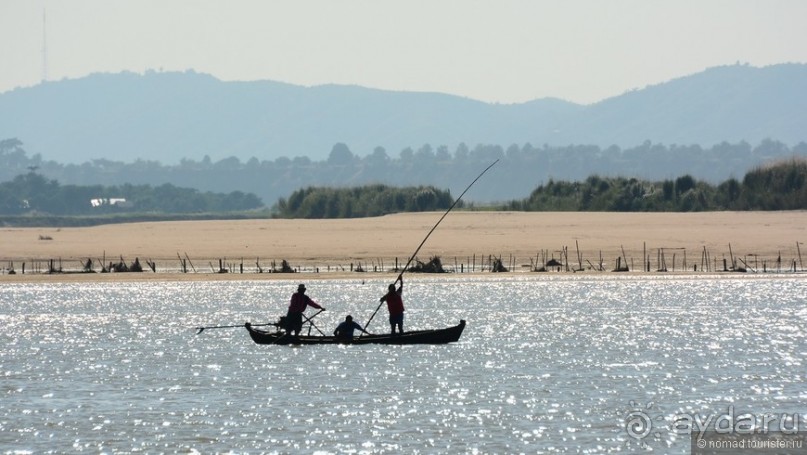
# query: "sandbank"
463, 240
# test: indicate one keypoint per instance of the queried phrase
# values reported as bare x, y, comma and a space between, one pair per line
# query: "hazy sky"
498, 51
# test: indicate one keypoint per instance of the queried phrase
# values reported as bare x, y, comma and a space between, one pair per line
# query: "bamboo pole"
731, 255
645, 259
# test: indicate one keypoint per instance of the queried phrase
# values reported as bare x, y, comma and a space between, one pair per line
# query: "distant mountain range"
169, 116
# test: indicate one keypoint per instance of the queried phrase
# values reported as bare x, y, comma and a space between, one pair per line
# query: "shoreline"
464, 241
384, 277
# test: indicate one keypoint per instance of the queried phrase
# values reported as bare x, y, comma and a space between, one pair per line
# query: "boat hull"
438, 336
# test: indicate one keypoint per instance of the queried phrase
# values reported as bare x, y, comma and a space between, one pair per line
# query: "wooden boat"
438, 336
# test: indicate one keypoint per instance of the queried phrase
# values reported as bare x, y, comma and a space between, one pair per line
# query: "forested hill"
520, 170
166, 117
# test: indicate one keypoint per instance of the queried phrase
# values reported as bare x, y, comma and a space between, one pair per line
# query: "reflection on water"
547, 364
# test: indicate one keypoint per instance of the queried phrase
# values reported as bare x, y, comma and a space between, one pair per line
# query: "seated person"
344, 331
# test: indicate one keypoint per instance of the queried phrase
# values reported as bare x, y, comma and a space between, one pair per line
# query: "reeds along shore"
561, 260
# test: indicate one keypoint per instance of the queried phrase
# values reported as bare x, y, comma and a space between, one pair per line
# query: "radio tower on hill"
44, 48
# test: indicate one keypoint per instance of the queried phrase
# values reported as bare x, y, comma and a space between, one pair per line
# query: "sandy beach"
463, 239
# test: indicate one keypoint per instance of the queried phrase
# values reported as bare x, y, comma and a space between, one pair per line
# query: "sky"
498, 51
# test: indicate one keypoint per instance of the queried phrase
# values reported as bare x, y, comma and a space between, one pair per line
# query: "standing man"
394, 299
299, 302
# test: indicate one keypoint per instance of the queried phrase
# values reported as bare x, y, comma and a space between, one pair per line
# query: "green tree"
340, 155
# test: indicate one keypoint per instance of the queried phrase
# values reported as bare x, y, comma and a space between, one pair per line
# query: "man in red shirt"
394, 299
299, 302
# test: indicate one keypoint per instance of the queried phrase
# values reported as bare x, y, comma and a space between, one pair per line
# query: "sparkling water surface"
547, 364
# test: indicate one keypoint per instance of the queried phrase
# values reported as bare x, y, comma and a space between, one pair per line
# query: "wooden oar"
308, 320
288, 334
427, 237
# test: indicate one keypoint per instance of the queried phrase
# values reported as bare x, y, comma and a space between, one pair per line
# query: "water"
547, 364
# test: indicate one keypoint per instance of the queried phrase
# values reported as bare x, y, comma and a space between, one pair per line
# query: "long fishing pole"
400, 275
202, 329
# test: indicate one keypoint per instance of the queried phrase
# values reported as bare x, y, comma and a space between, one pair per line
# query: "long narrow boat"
438, 336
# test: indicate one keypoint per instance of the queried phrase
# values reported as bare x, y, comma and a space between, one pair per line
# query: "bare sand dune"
461, 237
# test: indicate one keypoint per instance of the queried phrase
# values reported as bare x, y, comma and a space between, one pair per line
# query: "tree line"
369, 200
33, 193
522, 168
777, 186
